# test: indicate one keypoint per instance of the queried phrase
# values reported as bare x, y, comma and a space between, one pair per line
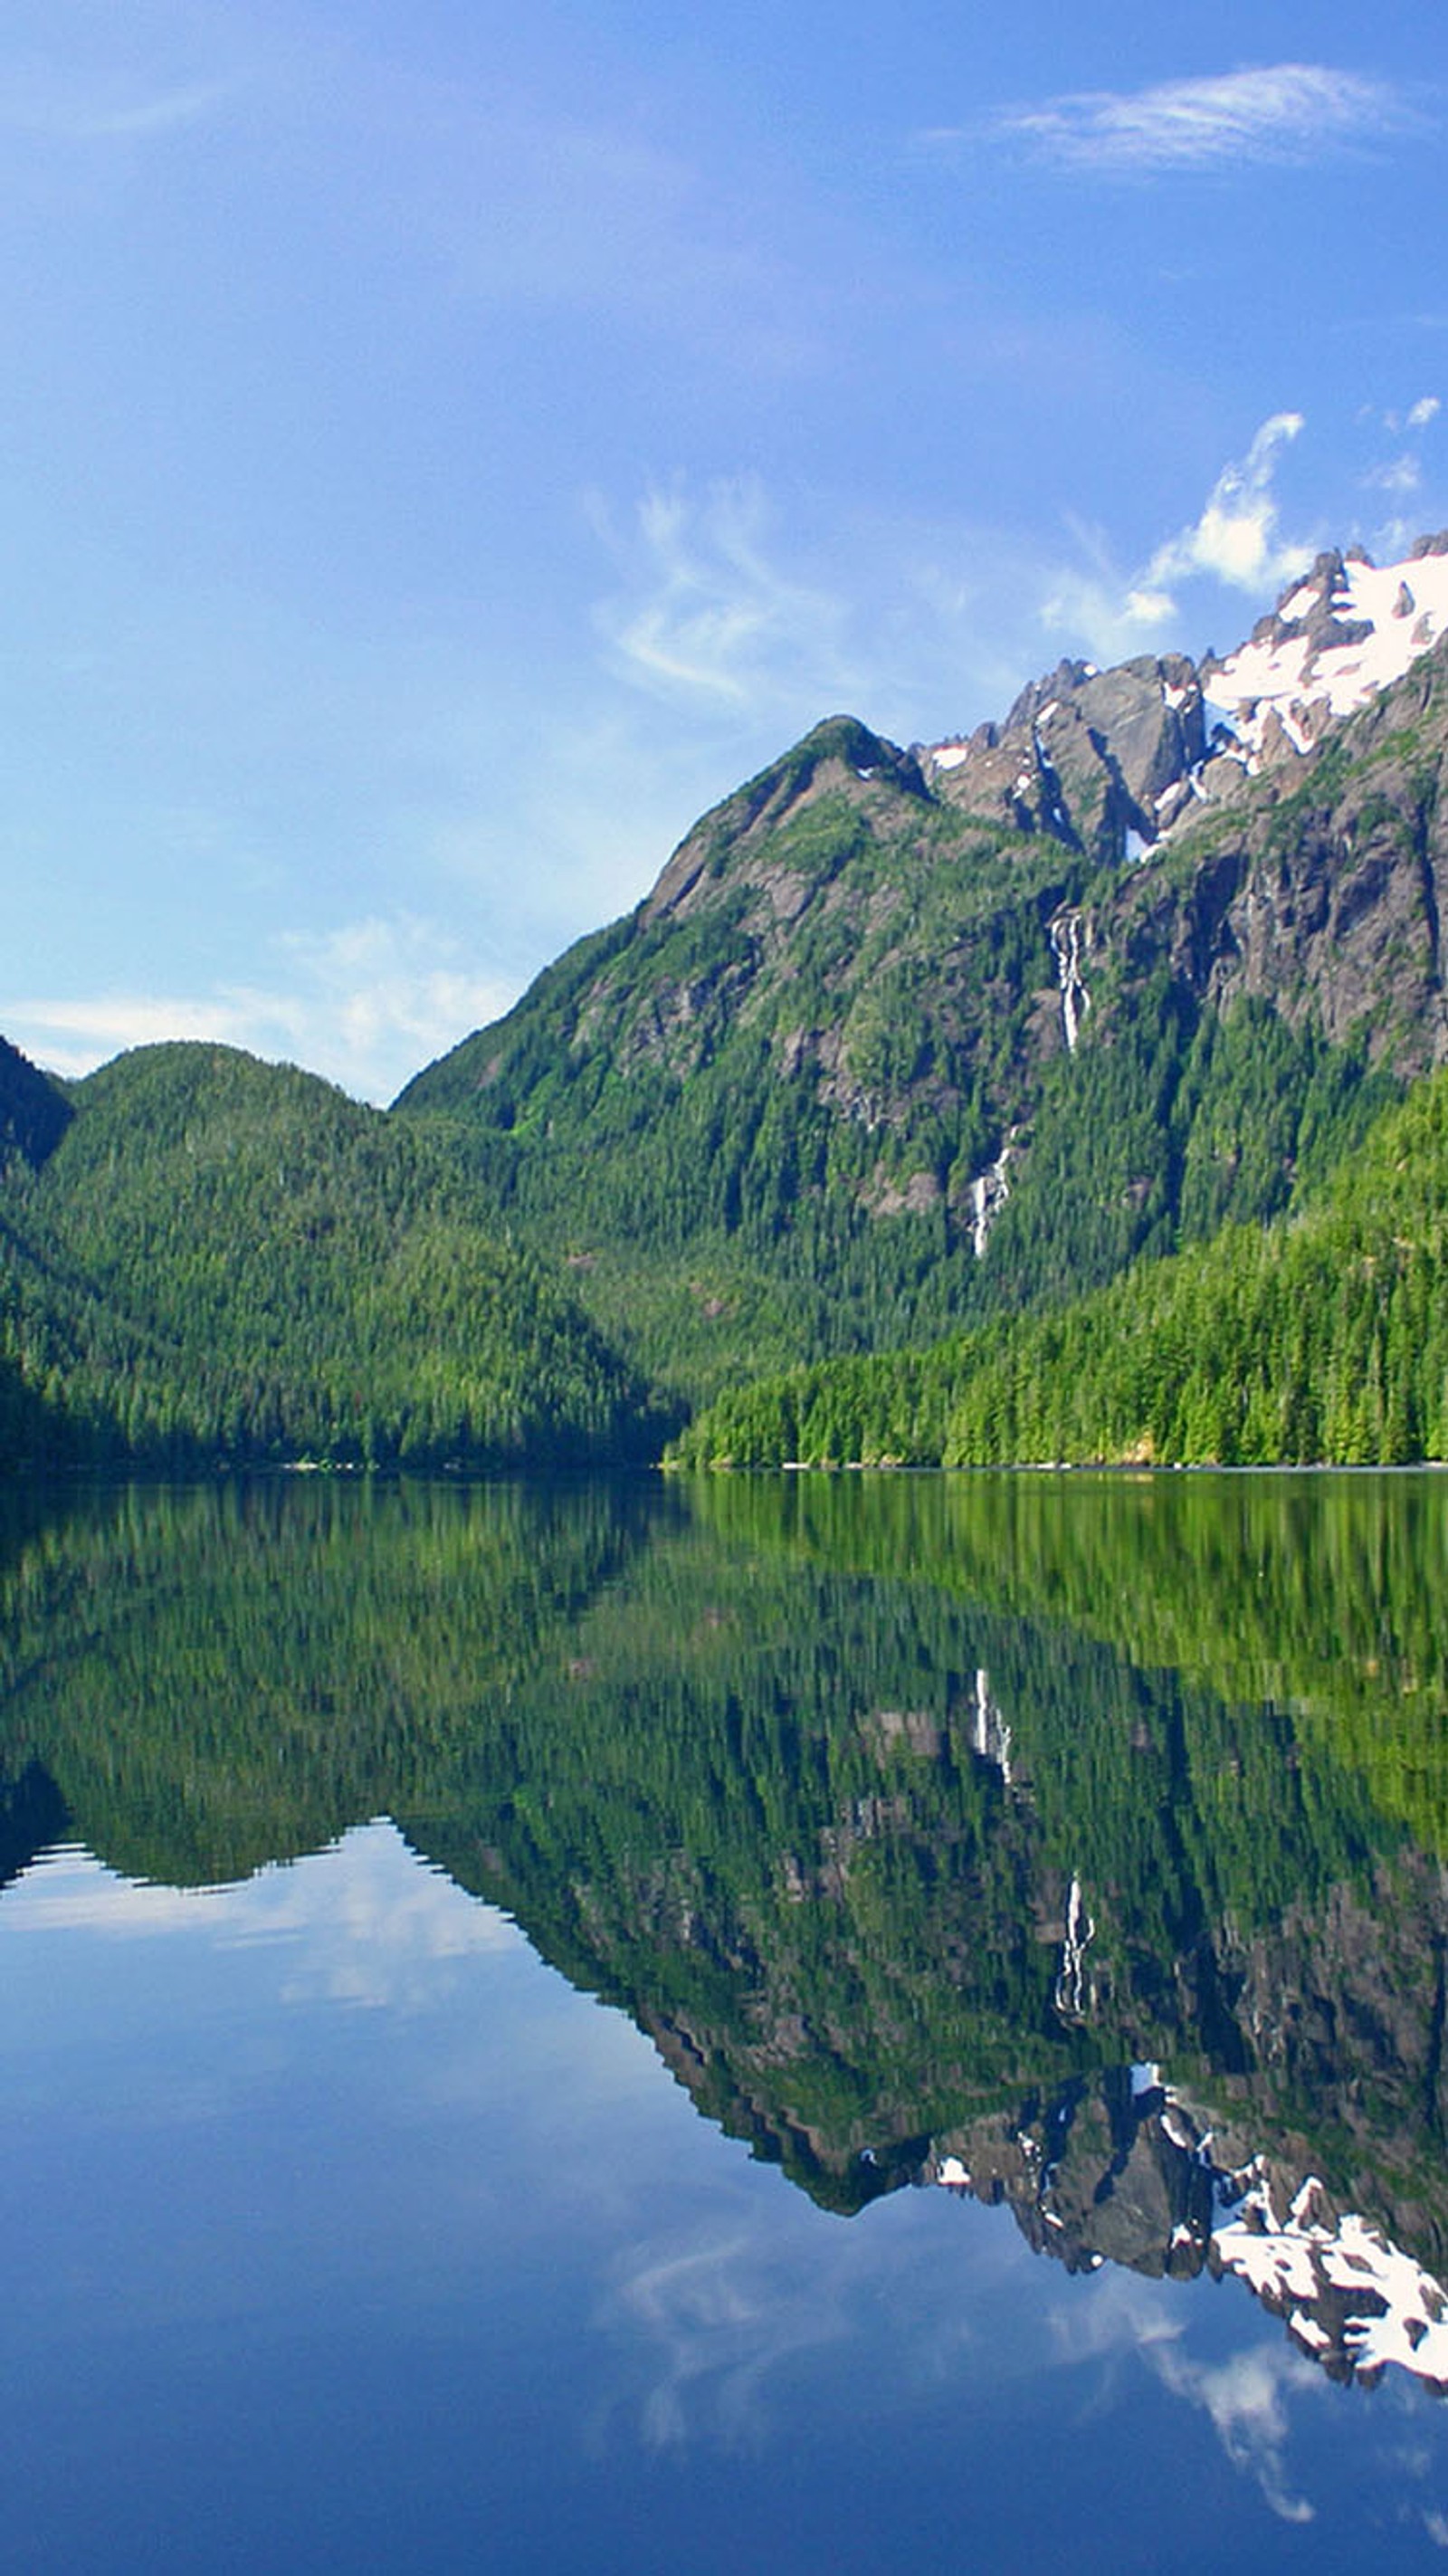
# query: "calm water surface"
800, 2024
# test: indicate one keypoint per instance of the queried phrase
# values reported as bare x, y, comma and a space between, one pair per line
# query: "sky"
444, 449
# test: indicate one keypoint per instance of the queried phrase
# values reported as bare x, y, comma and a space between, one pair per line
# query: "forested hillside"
223, 1260
1321, 1337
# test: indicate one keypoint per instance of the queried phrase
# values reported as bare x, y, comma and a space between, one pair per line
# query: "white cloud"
718, 2320
1111, 615
1235, 539
367, 1005
1125, 2316
72, 1037
1289, 112
362, 1922
718, 611
1243, 2398
1093, 602
384, 993
1418, 415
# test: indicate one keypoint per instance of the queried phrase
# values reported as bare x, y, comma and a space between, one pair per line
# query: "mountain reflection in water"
1074, 1843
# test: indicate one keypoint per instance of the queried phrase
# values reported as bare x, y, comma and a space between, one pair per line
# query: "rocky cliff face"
1095, 758
1314, 881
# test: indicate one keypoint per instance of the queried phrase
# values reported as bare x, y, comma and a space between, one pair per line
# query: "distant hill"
224, 1260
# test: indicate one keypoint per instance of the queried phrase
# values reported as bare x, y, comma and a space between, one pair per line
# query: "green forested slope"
1320, 1337
223, 1259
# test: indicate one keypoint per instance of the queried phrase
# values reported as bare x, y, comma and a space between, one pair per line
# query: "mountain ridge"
906, 1039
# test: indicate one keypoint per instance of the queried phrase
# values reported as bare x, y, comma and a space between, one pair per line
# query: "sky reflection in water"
346, 2231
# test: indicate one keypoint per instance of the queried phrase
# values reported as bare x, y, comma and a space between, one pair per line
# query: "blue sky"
442, 451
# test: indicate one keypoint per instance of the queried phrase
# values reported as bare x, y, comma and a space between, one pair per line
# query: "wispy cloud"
380, 997
720, 2321
1288, 112
1400, 476
1245, 2397
1093, 602
56, 106
709, 618
361, 1922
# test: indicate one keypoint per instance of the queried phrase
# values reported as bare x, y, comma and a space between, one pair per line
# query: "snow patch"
1397, 2311
1404, 607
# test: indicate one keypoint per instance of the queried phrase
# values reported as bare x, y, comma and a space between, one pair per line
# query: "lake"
811, 2022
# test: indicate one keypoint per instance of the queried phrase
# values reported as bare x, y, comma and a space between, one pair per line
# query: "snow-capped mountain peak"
1111, 761
1349, 628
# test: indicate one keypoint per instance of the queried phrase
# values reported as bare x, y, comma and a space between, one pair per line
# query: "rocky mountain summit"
1111, 760
1093, 757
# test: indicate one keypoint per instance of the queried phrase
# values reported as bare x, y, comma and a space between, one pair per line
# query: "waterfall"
1069, 944
989, 1192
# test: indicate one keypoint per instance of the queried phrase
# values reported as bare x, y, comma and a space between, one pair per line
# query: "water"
501, 1992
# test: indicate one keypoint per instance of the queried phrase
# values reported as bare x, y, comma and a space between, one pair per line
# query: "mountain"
903, 1042
211, 1259
904, 1038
